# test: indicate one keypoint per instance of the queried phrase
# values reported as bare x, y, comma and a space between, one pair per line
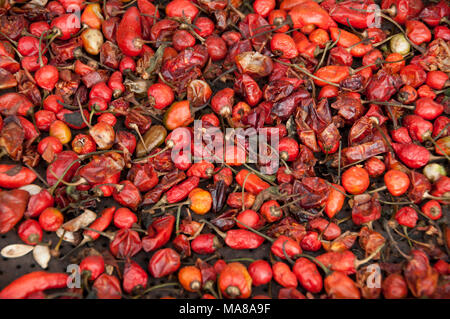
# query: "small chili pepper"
432, 209
420, 276
412, 155
159, 233
335, 201
396, 182
125, 243
234, 281
124, 218
394, 287
205, 244
164, 262
190, 278
253, 183
107, 287
406, 216
308, 275
32, 283
134, 277
92, 266
30, 232
355, 180
261, 272
239, 238
339, 286
12, 207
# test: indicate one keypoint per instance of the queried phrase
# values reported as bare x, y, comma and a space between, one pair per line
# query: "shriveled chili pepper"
159, 233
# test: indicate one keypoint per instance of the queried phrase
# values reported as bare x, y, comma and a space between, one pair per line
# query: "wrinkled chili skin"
12, 207
159, 233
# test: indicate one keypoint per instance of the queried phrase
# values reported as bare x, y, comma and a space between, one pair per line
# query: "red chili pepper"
32, 283
30, 232
339, 286
339, 261
134, 277
394, 287
261, 272
205, 244
420, 276
428, 109
253, 184
283, 275
124, 218
13, 176
242, 239
107, 287
12, 207
92, 266
234, 281
284, 244
432, 209
412, 155
129, 33
355, 14
128, 196
309, 12
401, 135
308, 275
182, 245
181, 191
164, 262
335, 200
159, 233
407, 216
126, 243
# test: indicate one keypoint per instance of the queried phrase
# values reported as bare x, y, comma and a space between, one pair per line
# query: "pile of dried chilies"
95, 97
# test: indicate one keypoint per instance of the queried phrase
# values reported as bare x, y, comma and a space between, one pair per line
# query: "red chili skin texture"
126, 243
407, 216
93, 265
339, 261
394, 287
24, 177
107, 287
164, 262
417, 32
159, 233
253, 184
129, 196
401, 135
339, 286
33, 282
261, 272
30, 232
182, 190
291, 247
101, 223
204, 244
308, 275
283, 275
432, 209
134, 276
243, 239
62, 161
12, 207
129, 33
412, 155
428, 109
124, 218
